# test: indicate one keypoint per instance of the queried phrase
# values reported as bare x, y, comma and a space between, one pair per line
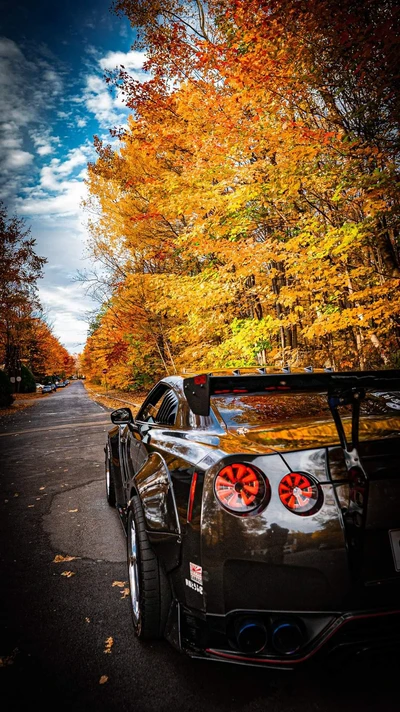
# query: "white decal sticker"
196, 573
194, 586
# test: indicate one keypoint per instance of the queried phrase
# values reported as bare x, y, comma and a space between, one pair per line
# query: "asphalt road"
54, 627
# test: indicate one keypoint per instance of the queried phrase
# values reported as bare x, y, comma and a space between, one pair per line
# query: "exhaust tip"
251, 635
287, 637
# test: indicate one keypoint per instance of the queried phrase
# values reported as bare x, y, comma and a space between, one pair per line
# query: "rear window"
271, 410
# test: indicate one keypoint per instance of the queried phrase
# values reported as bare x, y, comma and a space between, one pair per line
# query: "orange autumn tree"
255, 191
25, 337
20, 268
44, 354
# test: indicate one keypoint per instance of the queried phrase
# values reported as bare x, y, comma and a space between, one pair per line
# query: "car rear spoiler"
341, 387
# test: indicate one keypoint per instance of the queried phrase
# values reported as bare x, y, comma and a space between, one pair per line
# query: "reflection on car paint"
272, 562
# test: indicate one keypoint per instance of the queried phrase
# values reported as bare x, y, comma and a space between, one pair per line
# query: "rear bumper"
345, 635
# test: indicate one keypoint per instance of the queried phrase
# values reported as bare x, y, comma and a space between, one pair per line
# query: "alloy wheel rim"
134, 573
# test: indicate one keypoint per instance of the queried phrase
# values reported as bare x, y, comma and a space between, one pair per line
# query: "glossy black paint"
317, 573
122, 416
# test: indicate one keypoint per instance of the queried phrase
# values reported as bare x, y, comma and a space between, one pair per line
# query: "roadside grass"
114, 399
22, 400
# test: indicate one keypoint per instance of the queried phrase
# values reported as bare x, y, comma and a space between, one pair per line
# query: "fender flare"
153, 485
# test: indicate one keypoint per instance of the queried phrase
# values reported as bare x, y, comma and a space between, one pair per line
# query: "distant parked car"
66, 382
47, 388
39, 387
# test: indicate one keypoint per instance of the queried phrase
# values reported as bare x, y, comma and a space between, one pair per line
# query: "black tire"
150, 605
110, 481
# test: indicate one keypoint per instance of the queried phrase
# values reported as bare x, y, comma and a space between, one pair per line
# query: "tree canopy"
249, 214
24, 334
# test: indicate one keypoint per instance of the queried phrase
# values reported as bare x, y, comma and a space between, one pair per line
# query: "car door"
137, 437
124, 452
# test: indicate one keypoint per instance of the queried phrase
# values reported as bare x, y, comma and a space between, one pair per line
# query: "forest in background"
248, 214
27, 343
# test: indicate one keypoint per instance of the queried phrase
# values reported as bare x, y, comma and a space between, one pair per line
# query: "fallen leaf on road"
124, 592
8, 659
103, 679
87, 620
109, 644
42, 488
59, 558
121, 584
16, 494
68, 574
72, 510
30, 505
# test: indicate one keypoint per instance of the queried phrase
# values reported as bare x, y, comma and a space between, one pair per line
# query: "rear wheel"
148, 584
110, 483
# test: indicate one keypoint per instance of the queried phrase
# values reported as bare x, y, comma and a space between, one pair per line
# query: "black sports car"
262, 512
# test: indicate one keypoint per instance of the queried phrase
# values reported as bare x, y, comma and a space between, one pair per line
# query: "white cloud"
67, 202
48, 179
58, 229
61, 188
17, 159
100, 102
129, 60
9, 49
44, 141
50, 76
76, 157
27, 88
107, 103
65, 298
10, 142
59, 177
68, 306
45, 150
51, 198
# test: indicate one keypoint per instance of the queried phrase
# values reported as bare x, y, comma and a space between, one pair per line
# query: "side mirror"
122, 416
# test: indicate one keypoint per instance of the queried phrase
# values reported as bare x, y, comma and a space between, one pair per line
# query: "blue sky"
53, 99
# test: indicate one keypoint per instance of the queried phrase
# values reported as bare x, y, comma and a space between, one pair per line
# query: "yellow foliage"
241, 218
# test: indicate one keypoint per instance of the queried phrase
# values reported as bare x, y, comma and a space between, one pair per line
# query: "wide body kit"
310, 566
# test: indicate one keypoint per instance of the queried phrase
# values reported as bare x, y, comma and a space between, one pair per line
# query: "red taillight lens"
241, 489
300, 494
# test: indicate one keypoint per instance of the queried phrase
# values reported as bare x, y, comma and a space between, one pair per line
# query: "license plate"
395, 542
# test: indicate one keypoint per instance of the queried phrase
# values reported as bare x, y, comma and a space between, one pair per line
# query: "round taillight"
300, 494
241, 489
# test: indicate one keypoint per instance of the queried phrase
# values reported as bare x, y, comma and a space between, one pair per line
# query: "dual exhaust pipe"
284, 636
